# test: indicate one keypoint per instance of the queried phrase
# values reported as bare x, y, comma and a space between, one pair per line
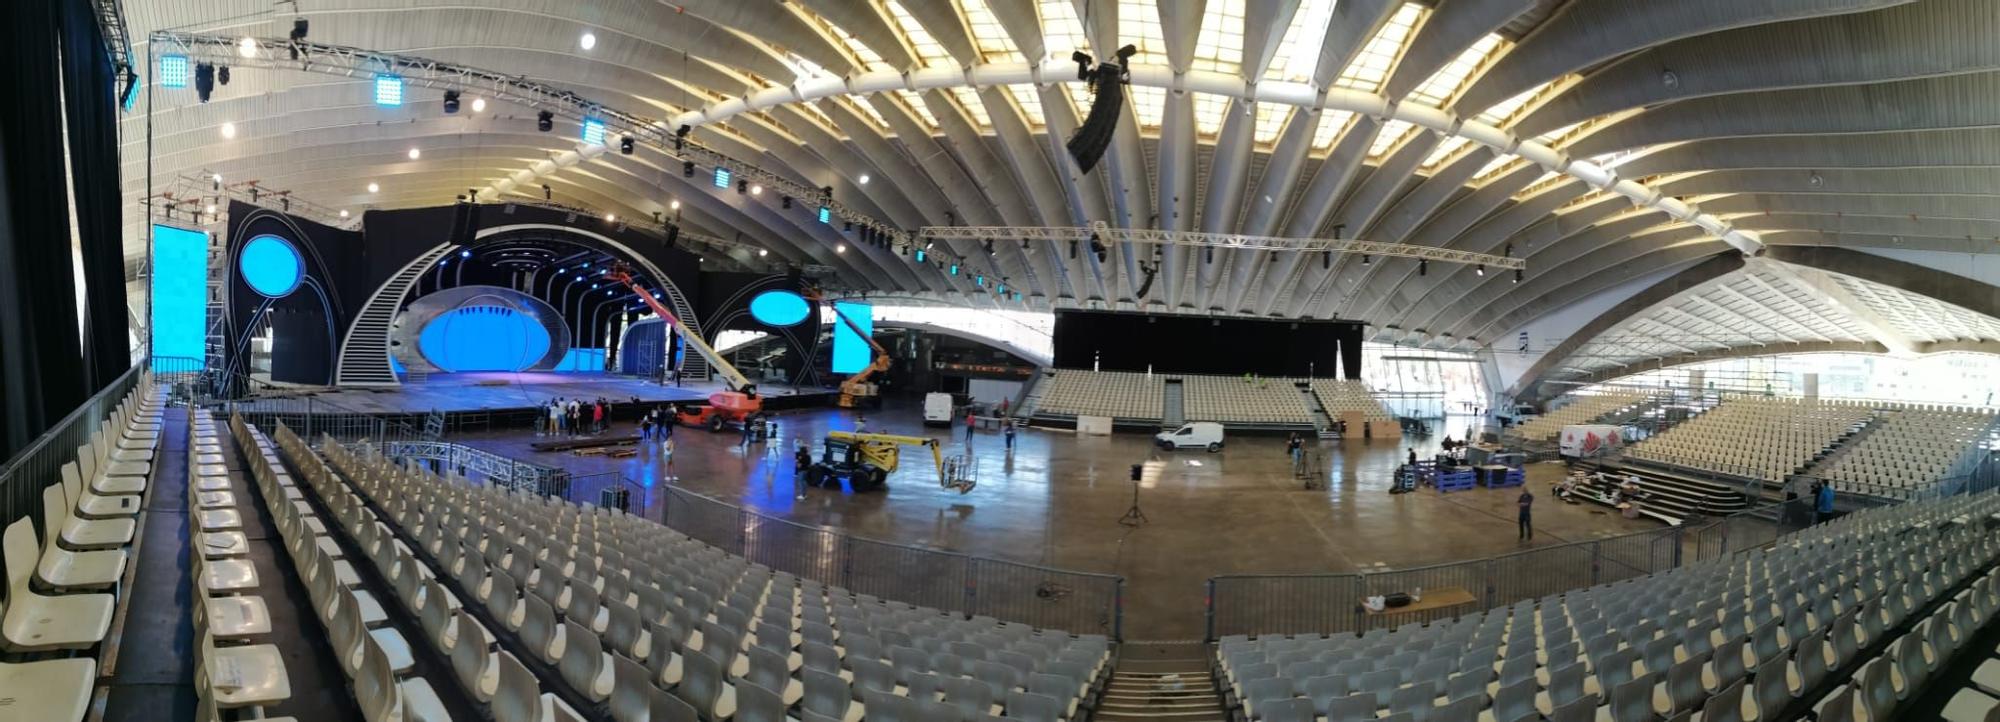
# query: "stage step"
364, 354
1174, 695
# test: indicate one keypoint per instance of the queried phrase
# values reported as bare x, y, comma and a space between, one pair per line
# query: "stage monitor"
180, 297
851, 352
1169, 343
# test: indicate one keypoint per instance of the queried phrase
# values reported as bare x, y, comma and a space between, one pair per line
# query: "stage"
500, 390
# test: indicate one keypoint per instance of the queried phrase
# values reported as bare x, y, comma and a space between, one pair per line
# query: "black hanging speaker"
1107, 83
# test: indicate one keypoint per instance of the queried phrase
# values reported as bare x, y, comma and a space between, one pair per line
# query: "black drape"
41, 374
1350, 352
90, 88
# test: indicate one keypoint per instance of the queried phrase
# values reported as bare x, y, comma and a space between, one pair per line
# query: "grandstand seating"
1117, 394
1237, 400
1759, 438
1578, 409
62, 588
614, 611
1909, 449
1749, 636
1343, 395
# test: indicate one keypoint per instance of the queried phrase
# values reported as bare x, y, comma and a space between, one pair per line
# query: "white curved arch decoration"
1301, 95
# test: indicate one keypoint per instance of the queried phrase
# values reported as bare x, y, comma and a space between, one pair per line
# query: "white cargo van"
1196, 434
937, 409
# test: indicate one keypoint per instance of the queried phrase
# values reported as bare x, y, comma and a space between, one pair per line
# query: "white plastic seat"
225, 575
57, 689
95, 506
33, 622
81, 534
223, 544
65, 569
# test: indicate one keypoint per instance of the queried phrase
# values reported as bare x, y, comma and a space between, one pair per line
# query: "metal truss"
117, 41
286, 54
1105, 233
192, 192
660, 227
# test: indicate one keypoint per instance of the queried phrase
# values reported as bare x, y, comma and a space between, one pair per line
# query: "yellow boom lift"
866, 460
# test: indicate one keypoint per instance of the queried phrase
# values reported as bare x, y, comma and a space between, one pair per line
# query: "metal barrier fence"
1078, 602
1325, 603
39, 465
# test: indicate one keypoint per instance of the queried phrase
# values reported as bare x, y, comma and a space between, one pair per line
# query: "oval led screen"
779, 308
271, 266
483, 338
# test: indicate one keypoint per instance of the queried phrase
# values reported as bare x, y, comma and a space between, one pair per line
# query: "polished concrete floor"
1056, 500
487, 390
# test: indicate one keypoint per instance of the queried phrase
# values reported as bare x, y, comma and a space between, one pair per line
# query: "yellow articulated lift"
865, 460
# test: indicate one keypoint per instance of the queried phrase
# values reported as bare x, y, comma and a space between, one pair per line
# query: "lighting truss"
415, 71
686, 235
193, 190
1104, 232
117, 39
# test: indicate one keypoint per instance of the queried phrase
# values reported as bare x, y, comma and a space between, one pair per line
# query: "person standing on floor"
1824, 506
969, 421
597, 417
1007, 427
1527, 503
556, 416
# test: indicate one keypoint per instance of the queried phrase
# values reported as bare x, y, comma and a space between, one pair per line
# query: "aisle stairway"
1173, 405
1152, 693
1322, 421
1845, 445
1676, 495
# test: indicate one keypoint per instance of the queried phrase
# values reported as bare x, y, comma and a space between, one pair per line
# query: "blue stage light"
721, 177
465, 254
173, 71
593, 131
271, 266
920, 255
825, 214
779, 308
388, 90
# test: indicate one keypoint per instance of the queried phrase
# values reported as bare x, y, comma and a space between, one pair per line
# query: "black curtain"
1350, 351
42, 377
90, 89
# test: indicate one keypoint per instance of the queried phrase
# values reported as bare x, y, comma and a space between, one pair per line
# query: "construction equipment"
866, 460
733, 406
856, 388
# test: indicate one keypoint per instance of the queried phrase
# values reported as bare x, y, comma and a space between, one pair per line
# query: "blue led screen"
483, 338
582, 359
779, 308
851, 353
271, 266
180, 295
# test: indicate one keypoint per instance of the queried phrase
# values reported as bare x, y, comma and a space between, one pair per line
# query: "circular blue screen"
779, 308
271, 266
483, 338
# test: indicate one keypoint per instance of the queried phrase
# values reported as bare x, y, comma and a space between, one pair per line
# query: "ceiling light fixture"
228, 130
374, 188
343, 213
864, 179
415, 154
478, 105
588, 41
247, 47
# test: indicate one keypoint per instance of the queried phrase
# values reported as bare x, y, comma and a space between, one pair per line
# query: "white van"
1196, 434
937, 409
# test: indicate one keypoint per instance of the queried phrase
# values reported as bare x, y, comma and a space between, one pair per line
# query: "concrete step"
1154, 694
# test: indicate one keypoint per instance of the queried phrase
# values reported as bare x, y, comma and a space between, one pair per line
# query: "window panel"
1331, 124
1445, 85
926, 47
988, 35
1371, 67
1389, 137
975, 107
1298, 51
1030, 100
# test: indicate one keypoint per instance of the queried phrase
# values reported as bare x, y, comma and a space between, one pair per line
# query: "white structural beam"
1837, 296
1104, 233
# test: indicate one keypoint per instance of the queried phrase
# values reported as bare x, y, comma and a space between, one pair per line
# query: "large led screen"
851, 353
180, 297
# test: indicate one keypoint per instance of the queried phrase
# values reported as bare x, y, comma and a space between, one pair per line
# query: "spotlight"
548, 194
722, 176
1479, 270
1423, 267
588, 41
299, 28
415, 154
211, 209
761, 252
228, 130
1024, 244
673, 234
848, 226
863, 179
954, 269
247, 47
465, 254
222, 75
593, 131
1517, 275
674, 204
173, 71
756, 190
680, 139
989, 246
374, 188
625, 145
388, 90
450, 102
1097, 247
742, 187
842, 248
204, 81
920, 255
217, 179
1208, 254
545, 121
343, 213
1367, 259
478, 105
1072, 250
687, 169
1326, 259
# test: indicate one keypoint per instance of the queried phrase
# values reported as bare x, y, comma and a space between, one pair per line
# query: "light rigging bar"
1107, 234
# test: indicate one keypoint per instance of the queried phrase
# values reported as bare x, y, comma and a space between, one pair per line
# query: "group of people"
1007, 425
659, 422
575, 417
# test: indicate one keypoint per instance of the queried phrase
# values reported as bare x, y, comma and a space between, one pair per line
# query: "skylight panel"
988, 35
1219, 45
1331, 123
1371, 67
1389, 137
973, 105
1500, 163
868, 111
1446, 150
1503, 113
1139, 24
925, 46
1062, 33
1030, 100
1271, 121
865, 57
1298, 51
1149, 105
802, 67
1445, 84
916, 104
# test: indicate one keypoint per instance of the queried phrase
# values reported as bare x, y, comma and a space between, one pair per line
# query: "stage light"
608, 218
173, 71
228, 130
849, 227
979, 280
625, 145
1208, 254
825, 214
217, 179
1097, 247
594, 286
415, 154
1509, 252
545, 121
1072, 250
478, 105
842, 248
785, 203
920, 255
443, 261
549, 194
222, 75
722, 176
588, 41
579, 279
742, 187
388, 90
673, 234
593, 131
1024, 244
1366, 259
374, 188
680, 138
761, 252
687, 169
954, 269
343, 213
863, 179
211, 209
1517, 275
674, 204
1326, 259
1479, 270
247, 47
465, 254
1423, 267
756, 190
204, 81
450, 102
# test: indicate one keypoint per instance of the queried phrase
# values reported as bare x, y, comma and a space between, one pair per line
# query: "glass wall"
1960, 378
1424, 383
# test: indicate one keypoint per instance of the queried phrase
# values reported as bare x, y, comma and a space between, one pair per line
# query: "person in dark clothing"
1009, 430
1527, 503
1824, 508
1413, 457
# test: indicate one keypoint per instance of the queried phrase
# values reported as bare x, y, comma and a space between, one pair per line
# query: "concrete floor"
1057, 498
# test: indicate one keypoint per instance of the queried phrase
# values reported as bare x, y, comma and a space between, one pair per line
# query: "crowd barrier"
39, 464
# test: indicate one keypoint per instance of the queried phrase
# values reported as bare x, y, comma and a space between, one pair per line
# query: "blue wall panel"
851, 352
180, 295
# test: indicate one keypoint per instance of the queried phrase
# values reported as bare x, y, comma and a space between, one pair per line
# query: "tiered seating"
376, 658
1117, 394
62, 588
1343, 395
1750, 636
621, 612
1909, 450
1234, 399
1757, 438
1579, 410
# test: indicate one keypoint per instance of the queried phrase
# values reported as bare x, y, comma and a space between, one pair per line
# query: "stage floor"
502, 390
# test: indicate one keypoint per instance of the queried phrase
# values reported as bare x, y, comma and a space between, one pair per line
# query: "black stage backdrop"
725, 304
307, 324
1201, 345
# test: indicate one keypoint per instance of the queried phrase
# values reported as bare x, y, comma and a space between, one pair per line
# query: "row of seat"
627, 613
1343, 395
1760, 438
1910, 450
1575, 409
1735, 638
1885, 685
1116, 394
63, 587
1234, 399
